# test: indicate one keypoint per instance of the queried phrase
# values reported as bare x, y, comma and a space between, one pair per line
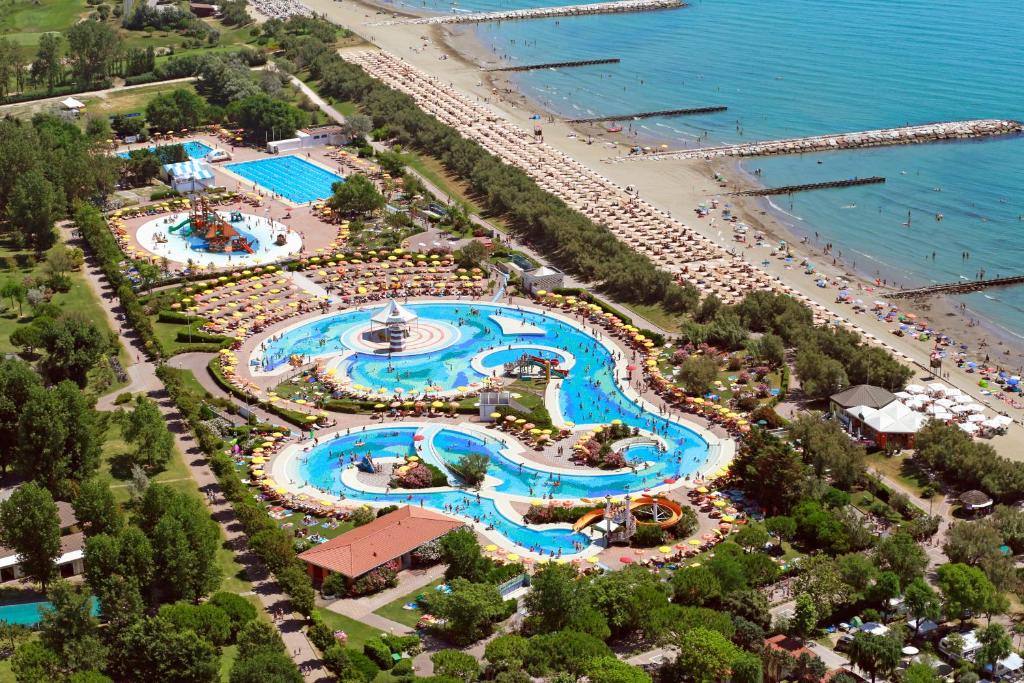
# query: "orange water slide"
592, 516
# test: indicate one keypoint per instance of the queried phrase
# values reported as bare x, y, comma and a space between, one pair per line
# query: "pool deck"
315, 233
721, 447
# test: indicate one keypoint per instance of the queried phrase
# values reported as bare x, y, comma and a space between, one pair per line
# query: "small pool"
193, 148
30, 613
292, 177
168, 236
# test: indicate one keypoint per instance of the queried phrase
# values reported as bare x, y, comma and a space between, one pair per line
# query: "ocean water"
802, 67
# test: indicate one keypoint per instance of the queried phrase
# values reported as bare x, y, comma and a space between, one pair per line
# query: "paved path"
144, 380
408, 581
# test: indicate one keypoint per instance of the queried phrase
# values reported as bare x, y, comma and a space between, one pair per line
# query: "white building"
188, 176
315, 136
545, 278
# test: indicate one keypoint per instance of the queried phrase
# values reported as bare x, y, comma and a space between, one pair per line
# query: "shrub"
373, 581
363, 514
402, 668
409, 645
427, 554
648, 535
239, 610
378, 652
334, 584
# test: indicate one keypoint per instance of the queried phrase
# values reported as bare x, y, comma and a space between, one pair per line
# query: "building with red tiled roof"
387, 539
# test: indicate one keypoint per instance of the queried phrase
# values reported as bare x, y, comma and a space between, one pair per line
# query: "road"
143, 379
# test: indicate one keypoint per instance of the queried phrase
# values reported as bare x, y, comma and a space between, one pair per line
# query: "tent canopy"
189, 170
72, 103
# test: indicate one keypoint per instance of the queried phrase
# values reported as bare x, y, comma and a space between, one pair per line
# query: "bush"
334, 584
402, 668
123, 397
374, 581
363, 514
378, 652
409, 645
648, 535
320, 635
239, 610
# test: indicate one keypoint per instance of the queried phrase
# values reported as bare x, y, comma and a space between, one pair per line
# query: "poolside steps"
651, 114
614, 7
807, 187
555, 65
960, 287
906, 135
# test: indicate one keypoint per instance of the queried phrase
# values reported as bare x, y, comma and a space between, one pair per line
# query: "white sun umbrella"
990, 423
962, 398
959, 410
937, 388
975, 408
944, 402
1003, 420
968, 427
935, 410
943, 416
914, 389
902, 395
953, 392
976, 418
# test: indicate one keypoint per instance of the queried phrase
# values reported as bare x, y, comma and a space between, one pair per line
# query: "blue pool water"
193, 148
803, 67
30, 613
589, 395
292, 177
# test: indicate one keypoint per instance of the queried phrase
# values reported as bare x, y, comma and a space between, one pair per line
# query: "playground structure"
207, 224
366, 464
523, 366
618, 518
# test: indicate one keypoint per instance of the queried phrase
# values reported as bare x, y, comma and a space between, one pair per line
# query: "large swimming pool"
590, 394
193, 148
292, 177
31, 613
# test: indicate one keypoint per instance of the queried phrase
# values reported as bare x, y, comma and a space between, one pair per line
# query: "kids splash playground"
445, 379
205, 236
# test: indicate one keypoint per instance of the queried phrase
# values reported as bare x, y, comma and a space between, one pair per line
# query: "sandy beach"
452, 54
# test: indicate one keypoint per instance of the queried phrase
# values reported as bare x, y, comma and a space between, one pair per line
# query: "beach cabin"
545, 277
188, 176
386, 542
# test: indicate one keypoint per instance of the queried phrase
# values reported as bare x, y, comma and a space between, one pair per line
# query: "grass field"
24, 21
395, 612
900, 469
654, 314
358, 632
129, 101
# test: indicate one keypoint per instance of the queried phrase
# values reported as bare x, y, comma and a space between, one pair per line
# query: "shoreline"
678, 187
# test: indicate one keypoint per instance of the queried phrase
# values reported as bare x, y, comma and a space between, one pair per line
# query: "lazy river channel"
475, 345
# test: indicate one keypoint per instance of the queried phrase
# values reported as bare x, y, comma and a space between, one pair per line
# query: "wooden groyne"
807, 187
907, 135
614, 7
960, 287
557, 65
650, 114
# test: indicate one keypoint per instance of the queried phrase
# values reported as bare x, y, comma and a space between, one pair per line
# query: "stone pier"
614, 7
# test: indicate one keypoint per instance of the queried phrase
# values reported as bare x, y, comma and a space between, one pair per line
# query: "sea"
803, 67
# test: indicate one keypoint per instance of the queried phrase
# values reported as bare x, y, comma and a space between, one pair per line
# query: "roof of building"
71, 547
326, 128
864, 395
894, 418
787, 644
189, 170
66, 513
386, 538
544, 270
72, 103
394, 314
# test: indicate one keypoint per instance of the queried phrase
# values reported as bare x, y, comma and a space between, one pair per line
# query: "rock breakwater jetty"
959, 287
807, 187
615, 7
906, 135
651, 114
556, 65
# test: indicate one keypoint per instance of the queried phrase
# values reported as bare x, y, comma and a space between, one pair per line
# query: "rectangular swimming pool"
292, 177
193, 148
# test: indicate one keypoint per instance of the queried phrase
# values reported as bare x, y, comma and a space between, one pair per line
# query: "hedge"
104, 248
288, 570
657, 337
294, 417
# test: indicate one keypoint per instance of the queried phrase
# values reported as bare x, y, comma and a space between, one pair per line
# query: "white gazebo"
395, 319
72, 106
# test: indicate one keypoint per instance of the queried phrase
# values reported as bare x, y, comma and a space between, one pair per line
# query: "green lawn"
656, 315
227, 659
394, 611
24, 21
900, 469
358, 632
129, 101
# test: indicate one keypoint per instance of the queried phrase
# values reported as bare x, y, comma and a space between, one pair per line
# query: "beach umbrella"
490, 548
694, 541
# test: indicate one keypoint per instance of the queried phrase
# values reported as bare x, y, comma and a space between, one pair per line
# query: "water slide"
366, 464
179, 226
676, 511
243, 244
549, 363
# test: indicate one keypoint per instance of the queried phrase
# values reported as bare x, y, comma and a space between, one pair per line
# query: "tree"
614, 670
820, 376
805, 617
753, 536
821, 580
695, 586
506, 653
770, 471
769, 349
223, 79
461, 552
206, 621
15, 291
568, 652
885, 588
265, 118
30, 525
59, 437
857, 572
921, 672
781, 527
96, 509
35, 204
177, 109
358, 126
971, 542
827, 448
155, 650
922, 602
626, 598
875, 654
704, 655
35, 663
471, 255
471, 469
265, 665
996, 644
69, 629
356, 195
17, 382
145, 429
92, 46
556, 598
185, 542
47, 67
469, 610
73, 344
456, 664
902, 555
696, 374
965, 590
